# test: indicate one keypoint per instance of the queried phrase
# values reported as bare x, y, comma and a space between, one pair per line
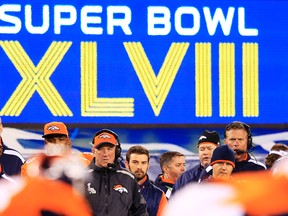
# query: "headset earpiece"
248, 130
118, 151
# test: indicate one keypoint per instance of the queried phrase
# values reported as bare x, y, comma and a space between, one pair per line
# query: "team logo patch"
120, 189
202, 137
105, 136
90, 189
53, 128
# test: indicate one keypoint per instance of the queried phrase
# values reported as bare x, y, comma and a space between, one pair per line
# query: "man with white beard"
56, 143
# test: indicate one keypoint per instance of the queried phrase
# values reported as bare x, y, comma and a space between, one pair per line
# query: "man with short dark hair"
172, 164
238, 136
137, 161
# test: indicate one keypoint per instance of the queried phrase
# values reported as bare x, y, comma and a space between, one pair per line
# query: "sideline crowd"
228, 180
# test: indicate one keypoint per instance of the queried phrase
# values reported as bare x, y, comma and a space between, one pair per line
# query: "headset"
247, 129
118, 148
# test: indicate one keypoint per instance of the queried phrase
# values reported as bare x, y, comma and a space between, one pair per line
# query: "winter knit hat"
209, 136
223, 153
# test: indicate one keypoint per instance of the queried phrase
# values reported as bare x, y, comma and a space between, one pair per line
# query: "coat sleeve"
139, 206
162, 205
179, 183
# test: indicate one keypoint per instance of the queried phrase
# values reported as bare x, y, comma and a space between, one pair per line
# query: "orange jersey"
250, 193
32, 164
33, 195
262, 193
88, 155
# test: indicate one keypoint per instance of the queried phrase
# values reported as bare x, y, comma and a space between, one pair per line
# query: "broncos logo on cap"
104, 136
120, 189
202, 137
53, 128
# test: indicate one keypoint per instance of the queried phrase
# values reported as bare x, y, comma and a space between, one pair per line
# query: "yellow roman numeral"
203, 80
91, 104
227, 79
250, 79
35, 78
155, 87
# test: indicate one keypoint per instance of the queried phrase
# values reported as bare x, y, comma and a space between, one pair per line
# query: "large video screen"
144, 62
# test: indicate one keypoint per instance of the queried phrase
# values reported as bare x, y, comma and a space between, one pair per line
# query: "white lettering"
158, 20
212, 23
123, 22
59, 21
195, 18
187, 20
14, 21
87, 22
241, 24
28, 20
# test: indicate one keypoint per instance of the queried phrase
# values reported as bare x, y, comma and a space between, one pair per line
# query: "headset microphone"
239, 151
111, 166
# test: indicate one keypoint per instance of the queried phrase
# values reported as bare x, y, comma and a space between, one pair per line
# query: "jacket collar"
93, 166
